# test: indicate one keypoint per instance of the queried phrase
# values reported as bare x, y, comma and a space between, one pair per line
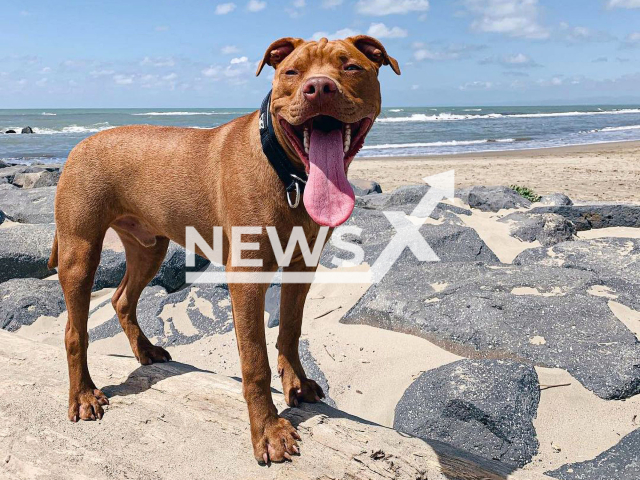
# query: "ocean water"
397, 132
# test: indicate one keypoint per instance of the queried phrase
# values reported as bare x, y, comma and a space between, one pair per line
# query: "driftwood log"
175, 421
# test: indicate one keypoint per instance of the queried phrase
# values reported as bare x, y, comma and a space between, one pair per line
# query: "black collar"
288, 173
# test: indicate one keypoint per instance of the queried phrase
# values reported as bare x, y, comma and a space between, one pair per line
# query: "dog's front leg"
295, 384
273, 438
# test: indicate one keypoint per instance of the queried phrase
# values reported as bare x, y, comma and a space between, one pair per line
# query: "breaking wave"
182, 114
452, 143
98, 127
449, 117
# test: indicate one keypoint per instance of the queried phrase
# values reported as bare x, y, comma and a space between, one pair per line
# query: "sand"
368, 369
602, 172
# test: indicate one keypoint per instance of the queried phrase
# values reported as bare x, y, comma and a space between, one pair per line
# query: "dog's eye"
352, 68
290, 72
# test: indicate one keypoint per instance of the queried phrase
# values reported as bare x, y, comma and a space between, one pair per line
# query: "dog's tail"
53, 259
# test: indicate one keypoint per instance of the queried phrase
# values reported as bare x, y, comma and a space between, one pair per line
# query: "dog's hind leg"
143, 262
295, 384
78, 260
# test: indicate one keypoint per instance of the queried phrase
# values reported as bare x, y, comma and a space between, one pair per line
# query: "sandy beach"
597, 172
367, 367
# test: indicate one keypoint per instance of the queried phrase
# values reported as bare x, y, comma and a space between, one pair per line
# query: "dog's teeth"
306, 141
347, 138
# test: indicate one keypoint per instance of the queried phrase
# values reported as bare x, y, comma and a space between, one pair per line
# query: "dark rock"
587, 217
171, 275
537, 314
111, 269
208, 309
2, 217
485, 407
3, 164
25, 250
615, 261
492, 199
555, 199
33, 169
10, 131
272, 305
33, 205
451, 240
8, 173
43, 178
313, 371
27, 130
620, 462
26, 299
365, 187
405, 199
547, 228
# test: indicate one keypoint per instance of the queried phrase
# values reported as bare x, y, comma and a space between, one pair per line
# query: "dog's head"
326, 96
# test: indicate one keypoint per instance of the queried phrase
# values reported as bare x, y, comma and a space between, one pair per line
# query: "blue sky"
189, 53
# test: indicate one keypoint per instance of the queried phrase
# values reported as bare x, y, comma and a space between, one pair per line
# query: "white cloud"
331, 3
224, 8
450, 52
623, 4
518, 60
631, 41
229, 50
297, 8
101, 73
552, 82
42, 82
476, 86
380, 30
256, 5
158, 62
344, 33
45, 70
123, 79
212, 71
235, 61
379, 8
515, 18
584, 34
170, 77
633, 37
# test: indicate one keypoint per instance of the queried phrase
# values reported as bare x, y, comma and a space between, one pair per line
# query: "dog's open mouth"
352, 135
327, 146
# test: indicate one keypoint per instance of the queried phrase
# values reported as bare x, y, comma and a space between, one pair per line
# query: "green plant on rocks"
526, 192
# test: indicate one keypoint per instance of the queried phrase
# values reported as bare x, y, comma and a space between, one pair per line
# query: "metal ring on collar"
297, 201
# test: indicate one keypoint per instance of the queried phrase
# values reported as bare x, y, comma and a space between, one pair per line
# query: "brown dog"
150, 183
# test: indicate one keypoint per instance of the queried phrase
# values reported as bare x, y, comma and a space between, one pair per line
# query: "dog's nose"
319, 89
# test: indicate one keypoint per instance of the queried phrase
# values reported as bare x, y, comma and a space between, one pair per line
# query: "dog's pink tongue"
328, 196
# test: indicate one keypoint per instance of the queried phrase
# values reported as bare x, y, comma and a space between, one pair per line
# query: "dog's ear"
374, 51
278, 51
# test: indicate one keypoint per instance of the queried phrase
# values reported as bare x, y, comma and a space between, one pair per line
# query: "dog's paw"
305, 390
87, 405
148, 354
277, 443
